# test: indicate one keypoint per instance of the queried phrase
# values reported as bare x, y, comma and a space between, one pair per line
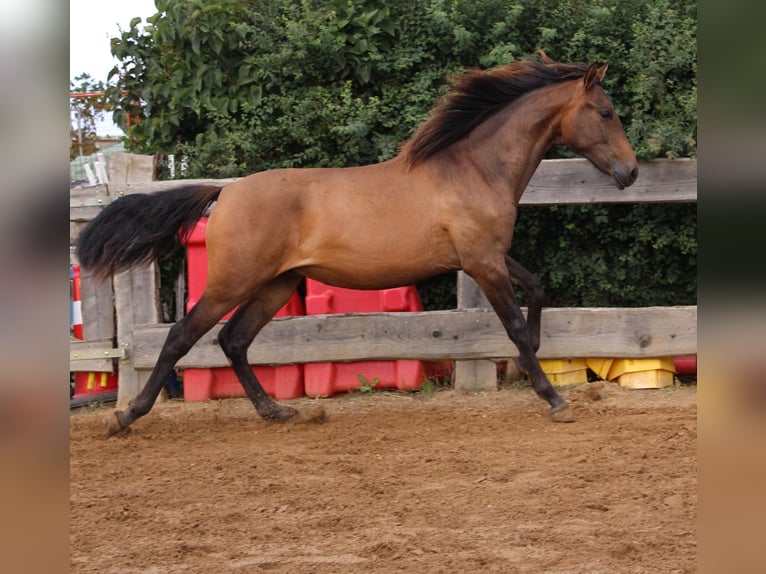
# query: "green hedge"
238, 86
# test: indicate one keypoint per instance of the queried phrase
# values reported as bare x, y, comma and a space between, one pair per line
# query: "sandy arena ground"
384, 482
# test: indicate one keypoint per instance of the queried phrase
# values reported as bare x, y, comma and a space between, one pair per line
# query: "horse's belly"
369, 276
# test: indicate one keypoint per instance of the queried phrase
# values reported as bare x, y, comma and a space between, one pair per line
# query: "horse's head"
590, 127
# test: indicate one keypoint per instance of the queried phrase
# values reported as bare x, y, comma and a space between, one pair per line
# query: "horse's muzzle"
625, 176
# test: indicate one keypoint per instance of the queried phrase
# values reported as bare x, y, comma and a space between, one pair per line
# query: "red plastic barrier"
686, 365
327, 379
196, 266
284, 382
92, 384
86, 384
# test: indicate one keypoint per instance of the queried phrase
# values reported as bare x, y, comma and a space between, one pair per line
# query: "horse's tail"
139, 228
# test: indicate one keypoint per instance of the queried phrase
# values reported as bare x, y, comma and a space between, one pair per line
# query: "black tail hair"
139, 228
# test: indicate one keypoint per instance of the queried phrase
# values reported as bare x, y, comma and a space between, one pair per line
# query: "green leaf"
243, 75
389, 27
363, 72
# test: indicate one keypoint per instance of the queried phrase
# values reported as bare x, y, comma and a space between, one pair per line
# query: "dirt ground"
442, 482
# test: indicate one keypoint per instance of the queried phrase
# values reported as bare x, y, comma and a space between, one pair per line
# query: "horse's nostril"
634, 174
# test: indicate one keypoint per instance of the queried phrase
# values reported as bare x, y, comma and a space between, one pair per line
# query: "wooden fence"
471, 335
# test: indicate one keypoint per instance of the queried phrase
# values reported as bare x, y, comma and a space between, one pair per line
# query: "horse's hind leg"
495, 282
238, 333
533, 287
180, 339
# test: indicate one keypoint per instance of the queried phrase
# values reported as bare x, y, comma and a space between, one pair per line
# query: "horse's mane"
477, 95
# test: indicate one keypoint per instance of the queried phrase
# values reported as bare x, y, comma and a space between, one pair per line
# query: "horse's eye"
606, 114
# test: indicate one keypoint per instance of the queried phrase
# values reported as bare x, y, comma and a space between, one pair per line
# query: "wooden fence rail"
442, 335
465, 334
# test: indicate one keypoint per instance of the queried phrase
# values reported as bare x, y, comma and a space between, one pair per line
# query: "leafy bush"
237, 86
616, 255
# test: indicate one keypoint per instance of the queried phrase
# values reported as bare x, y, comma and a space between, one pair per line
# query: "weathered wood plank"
469, 295
156, 186
74, 231
83, 207
83, 214
576, 181
127, 170
440, 335
87, 365
480, 374
97, 308
556, 181
90, 191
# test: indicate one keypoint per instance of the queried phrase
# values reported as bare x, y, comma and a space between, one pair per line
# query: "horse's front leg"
495, 282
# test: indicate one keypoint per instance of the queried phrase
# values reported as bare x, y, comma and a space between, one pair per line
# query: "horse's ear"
593, 75
590, 77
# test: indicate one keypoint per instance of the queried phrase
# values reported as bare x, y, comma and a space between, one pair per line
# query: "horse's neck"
510, 146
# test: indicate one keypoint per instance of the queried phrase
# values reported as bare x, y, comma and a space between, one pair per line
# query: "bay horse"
447, 201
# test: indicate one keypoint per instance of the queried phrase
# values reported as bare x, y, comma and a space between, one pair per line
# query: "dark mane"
477, 95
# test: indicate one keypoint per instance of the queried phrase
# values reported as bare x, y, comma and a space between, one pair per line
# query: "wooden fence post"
136, 293
135, 296
479, 375
97, 308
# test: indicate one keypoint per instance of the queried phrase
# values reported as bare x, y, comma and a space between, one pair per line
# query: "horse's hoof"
563, 415
280, 413
112, 423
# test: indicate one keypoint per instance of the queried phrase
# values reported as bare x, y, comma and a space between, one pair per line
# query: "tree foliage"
237, 86
85, 112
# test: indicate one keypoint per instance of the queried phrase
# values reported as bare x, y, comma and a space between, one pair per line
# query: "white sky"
92, 23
